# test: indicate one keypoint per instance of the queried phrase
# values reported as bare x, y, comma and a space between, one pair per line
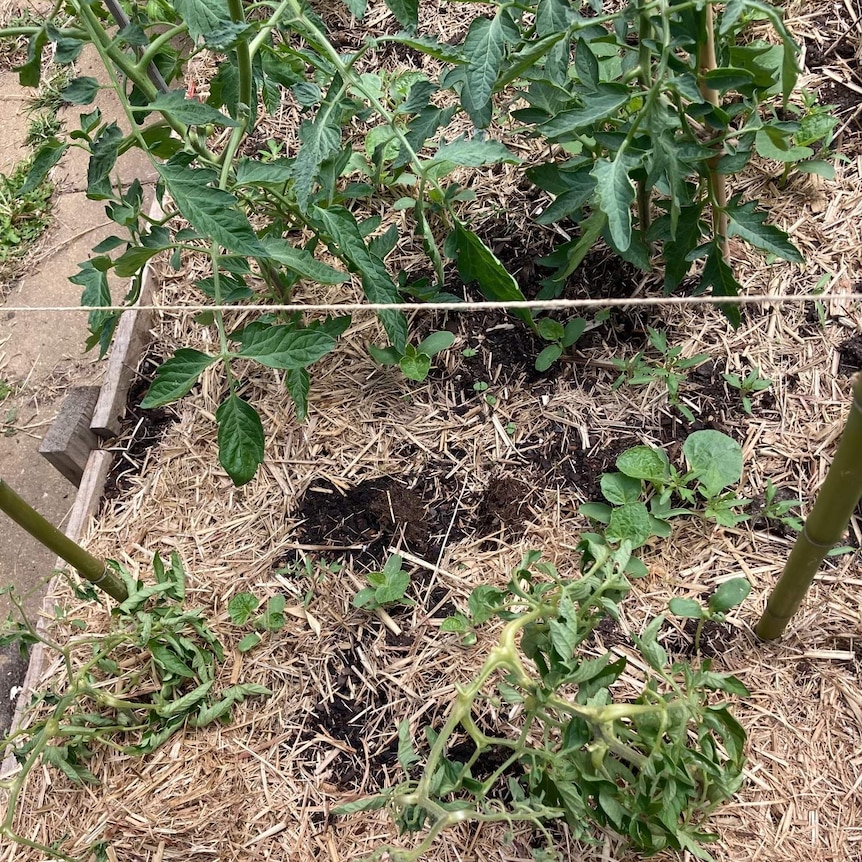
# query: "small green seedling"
714, 463
414, 362
779, 510
561, 338
387, 587
728, 595
672, 369
244, 605
748, 386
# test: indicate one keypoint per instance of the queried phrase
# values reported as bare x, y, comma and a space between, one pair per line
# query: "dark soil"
346, 716
562, 465
504, 504
851, 355
367, 519
141, 430
715, 639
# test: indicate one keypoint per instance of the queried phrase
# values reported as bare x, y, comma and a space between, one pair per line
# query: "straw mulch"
462, 487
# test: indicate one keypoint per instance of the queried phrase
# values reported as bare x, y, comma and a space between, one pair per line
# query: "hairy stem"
717, 183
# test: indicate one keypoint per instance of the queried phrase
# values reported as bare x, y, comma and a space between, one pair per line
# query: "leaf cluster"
132, 687
648, 766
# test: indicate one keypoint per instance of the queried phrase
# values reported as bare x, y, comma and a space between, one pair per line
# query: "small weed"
387, 587
49, 96
747, 386
23, 217
728, 595
672, 369
42, 128
775, 509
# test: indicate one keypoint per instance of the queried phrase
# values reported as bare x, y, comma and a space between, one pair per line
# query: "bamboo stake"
88, 567
826, 524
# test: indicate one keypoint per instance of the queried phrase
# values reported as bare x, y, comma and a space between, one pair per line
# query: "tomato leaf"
240, 439
176, 377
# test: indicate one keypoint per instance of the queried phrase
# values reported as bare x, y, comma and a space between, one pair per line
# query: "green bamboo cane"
89, 567
825, 526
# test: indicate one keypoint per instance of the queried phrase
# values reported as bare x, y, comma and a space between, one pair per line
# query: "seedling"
414, 362
729, 595
714, 463
748, 386
775, 509
387, 587
242, 608
561, 338
671, 369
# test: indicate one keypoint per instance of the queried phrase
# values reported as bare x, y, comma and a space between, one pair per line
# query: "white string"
546, 304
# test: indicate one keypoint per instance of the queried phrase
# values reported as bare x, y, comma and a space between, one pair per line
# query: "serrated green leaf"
253, 173
131, 261
186, 702
168, 660
211, 211
80, 91
376, 281
779, 149
302, 262
748, 222
552, 16
240, 439
601, 105
615, 193
367, 803
241, 607
319, 139
46, 157
407, 755
719, 276
103, 156
210, 21
283, 345
472, 153
484, 47
29, 73
189, 111
176, 377
298, 383
357, 8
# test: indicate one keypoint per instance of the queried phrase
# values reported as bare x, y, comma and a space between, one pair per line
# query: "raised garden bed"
460, 475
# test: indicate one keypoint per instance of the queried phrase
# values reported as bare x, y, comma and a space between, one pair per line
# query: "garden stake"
825, 525
88, 567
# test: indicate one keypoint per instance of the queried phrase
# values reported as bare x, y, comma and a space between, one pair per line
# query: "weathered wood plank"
69, 441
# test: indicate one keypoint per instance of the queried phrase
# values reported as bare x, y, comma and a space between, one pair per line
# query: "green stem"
717, 183
824, 527
243, 56
152, 50
89, 567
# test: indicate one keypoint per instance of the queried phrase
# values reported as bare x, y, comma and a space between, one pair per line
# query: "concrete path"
43, 352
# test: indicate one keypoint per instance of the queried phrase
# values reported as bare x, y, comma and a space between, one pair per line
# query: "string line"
485, 305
